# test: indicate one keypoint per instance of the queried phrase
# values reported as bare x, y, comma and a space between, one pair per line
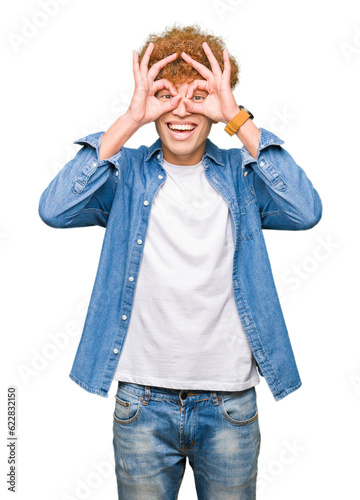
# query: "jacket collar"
211, 151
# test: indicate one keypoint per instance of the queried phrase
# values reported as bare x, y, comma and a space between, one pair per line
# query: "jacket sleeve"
82, 192
286, 197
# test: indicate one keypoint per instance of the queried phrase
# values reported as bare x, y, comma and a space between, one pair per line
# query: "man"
184, 308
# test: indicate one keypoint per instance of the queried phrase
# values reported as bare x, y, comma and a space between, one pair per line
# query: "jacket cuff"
267, 139
89, 168
94, 140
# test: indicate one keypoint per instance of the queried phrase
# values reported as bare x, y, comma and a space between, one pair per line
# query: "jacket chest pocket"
250, 221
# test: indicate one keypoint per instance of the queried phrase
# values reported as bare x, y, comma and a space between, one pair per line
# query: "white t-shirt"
185, 331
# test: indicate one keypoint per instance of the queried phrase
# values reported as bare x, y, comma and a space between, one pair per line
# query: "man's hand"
220, 104
144, 106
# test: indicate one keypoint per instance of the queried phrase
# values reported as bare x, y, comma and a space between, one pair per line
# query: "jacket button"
117, 173
245, 174
116, 351
158, 157
160, 177
262, 164
146, 203
124, 317
131, 278
139, 242
94, 164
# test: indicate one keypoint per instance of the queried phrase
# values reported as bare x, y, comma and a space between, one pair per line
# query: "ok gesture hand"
220, 104
144, 106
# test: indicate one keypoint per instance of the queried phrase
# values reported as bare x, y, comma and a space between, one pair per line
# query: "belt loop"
215, 398
147, 395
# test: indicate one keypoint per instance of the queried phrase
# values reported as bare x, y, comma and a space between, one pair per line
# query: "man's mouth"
181, 130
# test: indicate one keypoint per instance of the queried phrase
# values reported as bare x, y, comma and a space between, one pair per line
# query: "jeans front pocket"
128, 407
239, 407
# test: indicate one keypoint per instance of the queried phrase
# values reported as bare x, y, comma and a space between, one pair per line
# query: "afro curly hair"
187, 39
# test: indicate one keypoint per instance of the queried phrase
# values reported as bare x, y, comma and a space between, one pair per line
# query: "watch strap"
233, 126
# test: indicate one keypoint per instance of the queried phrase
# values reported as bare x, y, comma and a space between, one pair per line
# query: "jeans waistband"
148, 392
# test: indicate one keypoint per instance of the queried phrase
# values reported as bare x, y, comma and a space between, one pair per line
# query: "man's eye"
198, 97
165, 96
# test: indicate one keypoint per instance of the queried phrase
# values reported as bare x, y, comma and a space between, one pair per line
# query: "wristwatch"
233, 126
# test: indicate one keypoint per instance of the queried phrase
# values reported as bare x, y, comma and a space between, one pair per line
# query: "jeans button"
183, 395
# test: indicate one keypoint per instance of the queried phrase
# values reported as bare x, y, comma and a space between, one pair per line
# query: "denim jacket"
269, 192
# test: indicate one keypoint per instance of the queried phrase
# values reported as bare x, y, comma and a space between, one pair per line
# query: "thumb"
192, 107
172, 104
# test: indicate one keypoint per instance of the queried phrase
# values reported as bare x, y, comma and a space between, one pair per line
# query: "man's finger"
136, 69
197, 84
172, 104
163, 84
145, 60
227, 65
212, 59
192, 107
203, 70
155, 68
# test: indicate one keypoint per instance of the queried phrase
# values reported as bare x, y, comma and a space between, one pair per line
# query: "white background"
69, 73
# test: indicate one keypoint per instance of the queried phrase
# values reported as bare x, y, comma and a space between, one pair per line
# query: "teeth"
181, 127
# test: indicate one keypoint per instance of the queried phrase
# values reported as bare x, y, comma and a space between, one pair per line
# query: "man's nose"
181, 109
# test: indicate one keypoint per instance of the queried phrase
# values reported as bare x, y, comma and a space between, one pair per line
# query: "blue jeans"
156, 428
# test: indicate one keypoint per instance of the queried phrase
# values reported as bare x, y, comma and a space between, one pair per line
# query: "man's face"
183, 147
